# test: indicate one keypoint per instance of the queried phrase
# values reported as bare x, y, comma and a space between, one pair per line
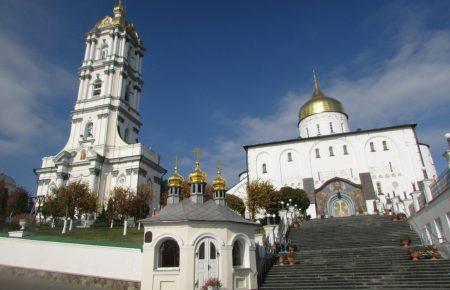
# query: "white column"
406, 204
93, 178
114, 46
86, 52
416, 204
270, 233
426, 190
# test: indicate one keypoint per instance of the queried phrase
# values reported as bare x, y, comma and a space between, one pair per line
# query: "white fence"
85, 260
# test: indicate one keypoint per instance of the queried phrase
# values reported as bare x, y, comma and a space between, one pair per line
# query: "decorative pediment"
64, 157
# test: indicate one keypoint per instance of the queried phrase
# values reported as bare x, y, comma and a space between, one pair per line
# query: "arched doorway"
206, 261
341, 205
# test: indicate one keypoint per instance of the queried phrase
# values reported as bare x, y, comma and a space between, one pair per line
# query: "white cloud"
411, 86
29, 86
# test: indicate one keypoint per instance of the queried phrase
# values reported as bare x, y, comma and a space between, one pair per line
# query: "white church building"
103, 148
343, 172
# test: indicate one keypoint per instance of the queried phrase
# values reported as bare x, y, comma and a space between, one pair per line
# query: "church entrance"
339, 198
340, 208
206, 262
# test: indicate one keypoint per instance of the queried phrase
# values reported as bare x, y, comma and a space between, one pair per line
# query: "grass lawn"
90, 236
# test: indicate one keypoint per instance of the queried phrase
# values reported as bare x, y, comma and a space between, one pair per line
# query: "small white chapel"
192, 240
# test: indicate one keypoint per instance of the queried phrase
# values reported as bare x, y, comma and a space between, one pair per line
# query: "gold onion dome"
319, 103
219, 183
197, 176
176, 180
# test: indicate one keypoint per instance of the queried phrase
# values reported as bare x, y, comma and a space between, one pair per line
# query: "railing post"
415, 196
427, 191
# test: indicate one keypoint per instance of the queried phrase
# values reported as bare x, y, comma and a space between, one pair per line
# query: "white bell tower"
103, 148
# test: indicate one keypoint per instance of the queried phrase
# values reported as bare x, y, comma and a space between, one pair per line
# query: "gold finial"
119, 10
316, 83
197, 176
176, 179
219, 183
176, 163
197, 154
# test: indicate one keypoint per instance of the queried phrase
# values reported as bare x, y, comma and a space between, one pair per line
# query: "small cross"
176, 162
219, 167
197, 154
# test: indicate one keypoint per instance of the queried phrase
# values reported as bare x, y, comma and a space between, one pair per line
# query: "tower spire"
316, 93
119, 11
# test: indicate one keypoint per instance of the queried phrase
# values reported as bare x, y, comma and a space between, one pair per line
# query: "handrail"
430, 232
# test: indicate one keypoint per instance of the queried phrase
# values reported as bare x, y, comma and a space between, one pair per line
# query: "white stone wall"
85, 260
428, 160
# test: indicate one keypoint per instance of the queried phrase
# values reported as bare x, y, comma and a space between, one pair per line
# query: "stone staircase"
361, 252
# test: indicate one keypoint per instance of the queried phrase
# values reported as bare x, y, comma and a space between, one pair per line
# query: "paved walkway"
20, 283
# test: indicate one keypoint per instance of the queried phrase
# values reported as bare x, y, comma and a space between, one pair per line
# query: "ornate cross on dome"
219, 167
197, 154
176, 162
316, 83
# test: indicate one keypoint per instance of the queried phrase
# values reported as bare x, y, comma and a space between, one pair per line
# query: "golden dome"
219, 182
176, 180
319, 103
197, 176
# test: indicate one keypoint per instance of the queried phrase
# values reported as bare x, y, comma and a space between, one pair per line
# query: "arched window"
318, 129
317, 153
289, 157
97, 87
238, 254
264, 168
345, 149
89, 130
103, 50
385, 147
330, 149
372, 147
148, 237
169, 254
127, 93
126, 135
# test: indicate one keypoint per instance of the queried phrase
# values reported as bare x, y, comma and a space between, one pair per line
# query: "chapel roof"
186, 210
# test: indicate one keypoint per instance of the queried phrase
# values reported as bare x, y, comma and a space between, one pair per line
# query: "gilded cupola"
319, 103
197, 176
176, 180
219, 183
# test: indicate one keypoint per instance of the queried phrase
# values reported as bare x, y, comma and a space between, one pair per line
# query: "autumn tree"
262, 196
3, 202
140, 202
296, 195
236, 204
18, 202
88, 203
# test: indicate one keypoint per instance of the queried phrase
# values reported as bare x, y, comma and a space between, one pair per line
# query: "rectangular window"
317, 153
318, 129
385, 148
97, 89
390, 167
307, 132
331, 127
289, 155
379, 188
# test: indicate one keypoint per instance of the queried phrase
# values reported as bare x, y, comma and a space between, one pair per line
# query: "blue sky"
221, 74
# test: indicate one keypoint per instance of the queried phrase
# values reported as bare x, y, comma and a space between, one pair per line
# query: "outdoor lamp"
282, 204
268, 218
